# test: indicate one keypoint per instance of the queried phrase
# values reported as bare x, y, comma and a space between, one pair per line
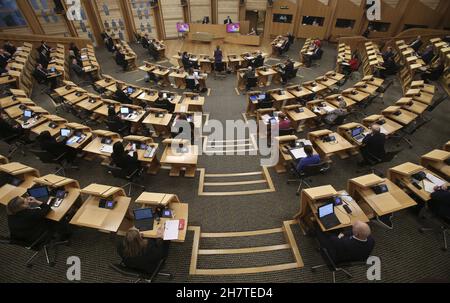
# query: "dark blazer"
120, 96
259, 61
374, 144
28, 224
4, 60
349, 249
440, 203
416, 45
10, 48
127, 163
149, 259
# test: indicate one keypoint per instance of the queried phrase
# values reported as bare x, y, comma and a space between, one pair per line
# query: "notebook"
171, 230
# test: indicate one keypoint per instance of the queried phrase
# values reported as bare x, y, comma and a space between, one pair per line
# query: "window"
345, 23
10, 15
282, 18
379, 26
408, 26
311, 20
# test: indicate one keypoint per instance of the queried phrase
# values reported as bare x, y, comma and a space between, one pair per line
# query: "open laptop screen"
326, 210
143, 213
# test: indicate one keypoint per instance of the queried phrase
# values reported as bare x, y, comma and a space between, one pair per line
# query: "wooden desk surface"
95, 145
306, 114
329, 148
388, 128
91, 215
171, 157
303, 92
315, 88
405, 118
286, 96
8, 192
153, 119
435, 160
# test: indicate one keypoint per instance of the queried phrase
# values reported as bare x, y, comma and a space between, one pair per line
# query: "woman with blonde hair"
142, 254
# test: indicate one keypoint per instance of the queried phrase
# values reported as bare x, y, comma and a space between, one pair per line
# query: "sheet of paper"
106, 148
305, 142
428, 186
383, 130
171, 230
435, 180
298, 153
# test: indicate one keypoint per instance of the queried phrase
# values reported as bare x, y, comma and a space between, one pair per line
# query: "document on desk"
383, 130
106, 148
305, 142
171, 230
298, 153
328, 109
428, 186
72, 140
435, 180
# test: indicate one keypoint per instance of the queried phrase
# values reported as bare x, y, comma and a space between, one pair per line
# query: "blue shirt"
311, 160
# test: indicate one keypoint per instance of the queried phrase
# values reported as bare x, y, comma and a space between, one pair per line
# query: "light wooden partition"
51, 40
424, 13
227, 8
83, 27
259, 5
284, 7
144, 17
172, 12
53, 24
199, 9
351, 10
112, 19
314, 8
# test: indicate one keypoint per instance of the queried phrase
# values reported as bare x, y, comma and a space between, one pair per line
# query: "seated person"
440, 201
218, 56
122, 159
76, 67
351, 247
164, 103
120, 95
27, 219
205, 20
109, 43
186, 61
388, 54
258, 61
142, 254
10, 48
283, 122
287, 71
193, 76
390, 68
416, 44
145, 41
252, 32
48, 143
249, 74
9, 127
44, 76
75, 50
332, 116
428, 54
353, 65
373, 145
310, 159
291, 38
317, 53
44, 48
5, 57
120, 59
434, 72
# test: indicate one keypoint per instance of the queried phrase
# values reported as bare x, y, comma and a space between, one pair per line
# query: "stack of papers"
435, 180
106, 148
171, 230
73, 140
298, 153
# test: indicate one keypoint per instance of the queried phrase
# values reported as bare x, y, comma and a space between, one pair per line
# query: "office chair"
141, 276
119, 127
47, 158
264, 104
190, 85
373, 160
287, 132
333, 267
15, 143
308, 171
444, 227
43, 243
251, 82
119, 173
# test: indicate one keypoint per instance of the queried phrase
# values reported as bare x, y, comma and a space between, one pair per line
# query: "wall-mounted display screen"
282, 18
233, 28
182, 27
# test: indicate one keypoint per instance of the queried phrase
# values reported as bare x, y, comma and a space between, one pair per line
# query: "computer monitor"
326, 210
130, 90
27, 113
357, 131
124, 110
262, 96
182, 27
65, 132
38, 192
143, 213
233, 28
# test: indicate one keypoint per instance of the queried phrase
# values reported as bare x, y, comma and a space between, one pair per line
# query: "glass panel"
10, 15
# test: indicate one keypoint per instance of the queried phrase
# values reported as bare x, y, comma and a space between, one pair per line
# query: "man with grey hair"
353, 246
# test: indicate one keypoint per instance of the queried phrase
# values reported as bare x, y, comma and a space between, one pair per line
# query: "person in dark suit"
142, 254
249, 74
416, 44
227, 20
373, 145
434, 72
26, 219
388, 54
43, 75
205, 20
122, 159
120, 95
44, 48
428, 54
10, 48
440, 201
120, 59
75, 50
350, 247
5, 57
287, 70
186, 61
48, 143
9, 127
258, 61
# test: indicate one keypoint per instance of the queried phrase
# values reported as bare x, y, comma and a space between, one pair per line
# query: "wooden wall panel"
227, 8
52, 23
282, 7
422, 12
316, 8
84, 28
200, 9
350, 10
112, 19
144, 17
172, 12
259, 5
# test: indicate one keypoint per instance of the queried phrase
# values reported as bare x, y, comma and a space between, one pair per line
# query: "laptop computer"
40, 193
327, 216
358, 134
143, 219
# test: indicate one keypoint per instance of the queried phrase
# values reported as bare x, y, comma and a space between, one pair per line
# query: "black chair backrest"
265, 104
315, 169
190, 83
117, 172
287, 132
115, 126
44, 156
251, 82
